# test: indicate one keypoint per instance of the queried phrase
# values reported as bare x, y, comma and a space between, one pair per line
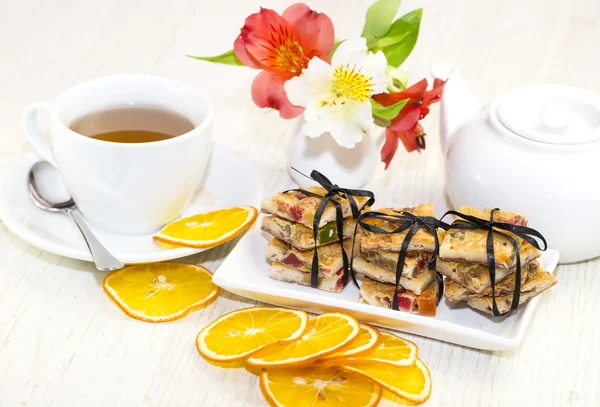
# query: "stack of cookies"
378, 258
463, 261
290, 252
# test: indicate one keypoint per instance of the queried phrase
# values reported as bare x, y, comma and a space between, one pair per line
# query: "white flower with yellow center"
337, 96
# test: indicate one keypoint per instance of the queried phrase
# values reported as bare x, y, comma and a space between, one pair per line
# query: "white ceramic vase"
346, 167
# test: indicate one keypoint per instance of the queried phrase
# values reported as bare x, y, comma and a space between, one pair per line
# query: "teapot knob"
554, 119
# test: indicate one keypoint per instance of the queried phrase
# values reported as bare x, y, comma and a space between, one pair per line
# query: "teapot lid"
553, 114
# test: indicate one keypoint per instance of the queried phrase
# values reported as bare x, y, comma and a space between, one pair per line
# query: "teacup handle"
33, 133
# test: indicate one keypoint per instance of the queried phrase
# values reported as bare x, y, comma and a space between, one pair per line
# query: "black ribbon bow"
404, 220
467, 222
332, 191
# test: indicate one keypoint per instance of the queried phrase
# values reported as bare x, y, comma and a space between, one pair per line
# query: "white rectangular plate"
246, 272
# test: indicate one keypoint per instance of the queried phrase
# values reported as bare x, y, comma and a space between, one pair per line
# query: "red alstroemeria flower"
282, 46
406, 125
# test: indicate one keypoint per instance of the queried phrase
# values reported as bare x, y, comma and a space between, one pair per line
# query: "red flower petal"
406, 119
406, 125
435, 94
282, 47
389, 147
409, 138
240, 51
270, 40
261, 20
314, 30
414, 93
267, 91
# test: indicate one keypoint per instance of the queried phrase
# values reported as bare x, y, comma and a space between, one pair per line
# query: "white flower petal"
336, 96
352, 51
347, 135
318, 75
317, 120
376, 66
353, 123
314, 80
363, 115
297, 91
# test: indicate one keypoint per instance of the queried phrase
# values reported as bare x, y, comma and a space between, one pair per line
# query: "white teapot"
534, 150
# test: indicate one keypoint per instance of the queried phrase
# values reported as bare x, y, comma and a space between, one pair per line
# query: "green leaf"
387, 113
378, 121
406, 29
379, 18
336, 44
383, 42
228, 58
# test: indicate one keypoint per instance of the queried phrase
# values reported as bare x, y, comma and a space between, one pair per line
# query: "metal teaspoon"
47, 191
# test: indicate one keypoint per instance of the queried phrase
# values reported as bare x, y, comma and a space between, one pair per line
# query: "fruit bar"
330, 257
376, 264
422, 241
470, 245
290, 253
475, 277
413, 264
300, 207
333, 283
382, 295
301, 236
459, 292
538, 281
417, 284
463, 261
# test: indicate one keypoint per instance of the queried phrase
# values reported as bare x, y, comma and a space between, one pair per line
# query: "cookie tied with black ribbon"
489, 260
397, 262
312, 229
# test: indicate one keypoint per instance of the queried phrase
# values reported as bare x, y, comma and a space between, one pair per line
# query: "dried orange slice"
387, 395
208, 229
160, 292
366, 339
412, 383
390, 350
238, 334
318, 386
324, 334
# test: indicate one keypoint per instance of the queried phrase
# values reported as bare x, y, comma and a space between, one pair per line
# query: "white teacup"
129, 188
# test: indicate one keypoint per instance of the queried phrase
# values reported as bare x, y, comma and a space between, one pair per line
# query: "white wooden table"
63, 343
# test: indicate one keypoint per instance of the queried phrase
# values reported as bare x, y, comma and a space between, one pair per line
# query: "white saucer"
230, 181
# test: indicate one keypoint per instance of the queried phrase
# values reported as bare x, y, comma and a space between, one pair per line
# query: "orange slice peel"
324, 334
412, 383
318, 386
367, 338
239, 334
209, 229
160, 292
390, 350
